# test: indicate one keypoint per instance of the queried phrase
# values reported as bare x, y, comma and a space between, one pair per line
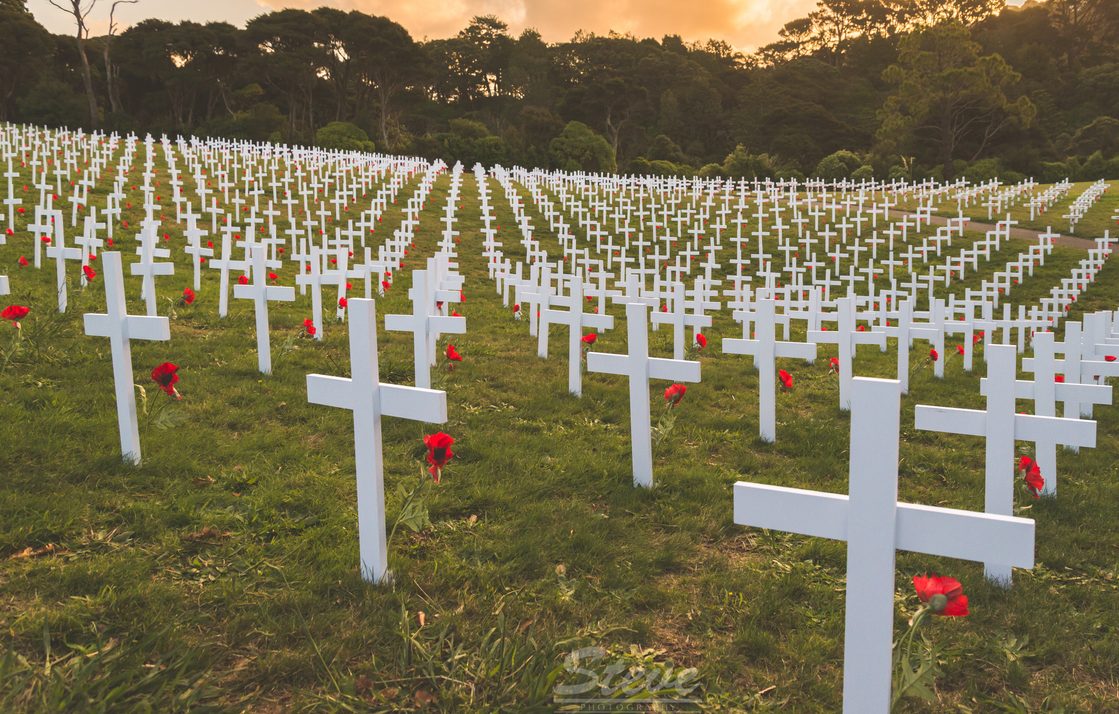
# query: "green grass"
222, 573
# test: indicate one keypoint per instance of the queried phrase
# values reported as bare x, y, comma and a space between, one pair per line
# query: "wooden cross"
875, 526
1001, 426
260, 292
576, 320
640, 368
121, 328
847, 339
423, 323
766, 349
369, 400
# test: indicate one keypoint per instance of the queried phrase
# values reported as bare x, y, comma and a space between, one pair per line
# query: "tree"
111, 72
947, 98
345, 136
24, 47
579, 148
79, 10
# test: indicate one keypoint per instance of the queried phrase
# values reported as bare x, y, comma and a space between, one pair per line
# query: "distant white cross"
369, 400
576, 320
260, 292
121, 328
423, 323
847, 339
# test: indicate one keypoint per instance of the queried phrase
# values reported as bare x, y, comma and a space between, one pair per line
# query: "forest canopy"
900, 88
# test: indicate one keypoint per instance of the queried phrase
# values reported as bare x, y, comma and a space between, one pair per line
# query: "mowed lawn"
223, 573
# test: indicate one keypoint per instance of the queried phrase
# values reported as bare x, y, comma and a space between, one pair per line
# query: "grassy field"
222, 573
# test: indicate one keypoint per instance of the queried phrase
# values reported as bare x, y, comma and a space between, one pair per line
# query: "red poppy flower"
90, 273
861, 328
516, 307
590, 339
674, 394
786, 379
166, 376
1059, 378
1109, 358
273, 277
701, 340
934, 355
188, 296
834, 364
22, 261
455, 313
438, 453
945, 596
14, 313
242, 279
309, 325
1031, 472
960, 349
452, 354
385, 285
343, 302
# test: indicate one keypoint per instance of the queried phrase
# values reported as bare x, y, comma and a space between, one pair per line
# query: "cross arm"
606, 363
1071, 432
675, 370
426, 405
330, 391
825, 336
811, 513
949, 420
796, 350
733, 346
447, 324
965, 535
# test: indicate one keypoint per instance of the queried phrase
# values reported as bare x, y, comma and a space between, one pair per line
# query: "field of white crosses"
287, 429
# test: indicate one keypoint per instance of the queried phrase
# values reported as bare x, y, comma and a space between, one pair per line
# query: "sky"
744, 24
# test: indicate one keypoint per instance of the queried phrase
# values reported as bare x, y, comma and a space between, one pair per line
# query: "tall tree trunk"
87, 80
114, 103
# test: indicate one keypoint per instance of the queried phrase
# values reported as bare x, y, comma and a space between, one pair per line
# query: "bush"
740, 163
983, 170
839, 165
344, 136
863, 173
579, 148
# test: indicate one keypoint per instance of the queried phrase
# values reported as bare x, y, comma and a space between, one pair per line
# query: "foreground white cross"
1000, 425
640, 368
875, 526
260, 293
369, 400
120, 328
766, 349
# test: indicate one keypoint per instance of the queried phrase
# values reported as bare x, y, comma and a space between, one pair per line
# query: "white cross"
423, 323
1045, 391
766, 349
224, 265
61, 254
121, 328
679, 318
1001, 426
905, 332
194, 248
147, 267
369, 400
640, 368
260, 293
576, 320
847, 339
875, 526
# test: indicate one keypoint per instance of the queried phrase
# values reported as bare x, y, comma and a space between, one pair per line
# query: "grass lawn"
222, 573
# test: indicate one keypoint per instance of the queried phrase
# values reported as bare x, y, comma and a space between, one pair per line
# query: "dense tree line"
858, 87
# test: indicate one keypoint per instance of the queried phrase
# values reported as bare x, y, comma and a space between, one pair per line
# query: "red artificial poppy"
166, 376
834, 364
90, 273
273, 277
1031, 472
960, 349
945, 596
14, 313
438, 453
1059, 378
242, 279
674, 394
861, 328
343, 302
1109, 358
590, 338
701, 340
452, 354
22, 261
188, 296
785, 378
934, 355
385, 285
309, 325
516, 307
455, 313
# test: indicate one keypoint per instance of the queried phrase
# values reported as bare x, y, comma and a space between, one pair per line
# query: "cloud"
745, 24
